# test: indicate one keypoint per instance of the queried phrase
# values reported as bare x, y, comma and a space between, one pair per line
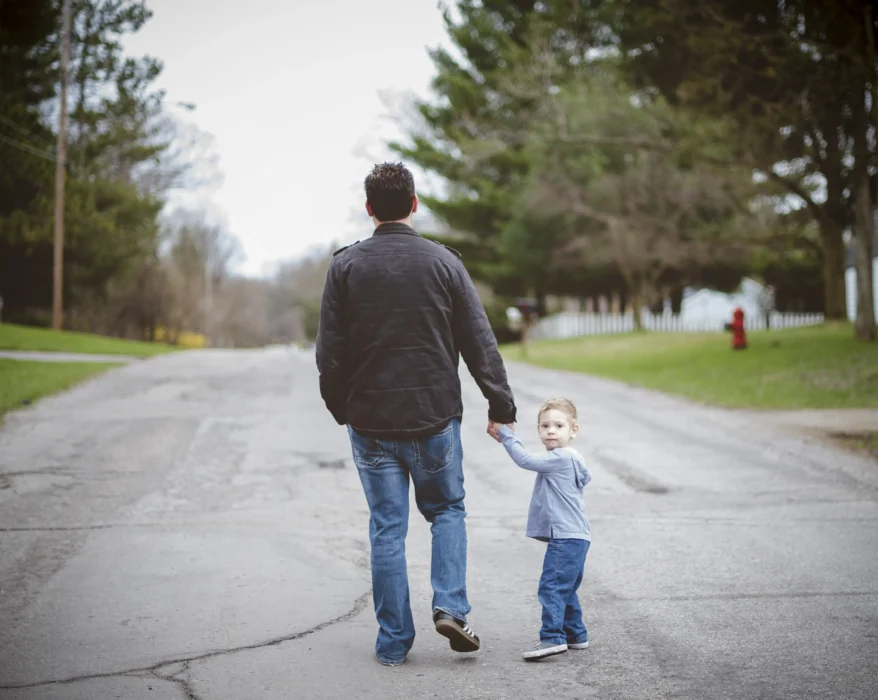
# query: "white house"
709, 307
850, 284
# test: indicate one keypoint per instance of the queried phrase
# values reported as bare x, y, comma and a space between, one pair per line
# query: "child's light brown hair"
561, 404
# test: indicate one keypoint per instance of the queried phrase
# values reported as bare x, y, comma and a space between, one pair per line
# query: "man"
397, 312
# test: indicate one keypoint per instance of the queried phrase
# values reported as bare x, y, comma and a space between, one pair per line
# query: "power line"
21, 130
27, 148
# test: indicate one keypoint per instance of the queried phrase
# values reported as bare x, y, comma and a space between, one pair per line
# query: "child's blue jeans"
562, 575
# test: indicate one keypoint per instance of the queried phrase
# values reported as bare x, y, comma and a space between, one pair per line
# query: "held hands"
494, 429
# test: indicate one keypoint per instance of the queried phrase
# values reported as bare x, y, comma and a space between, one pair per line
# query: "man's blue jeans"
562, 575
435, 465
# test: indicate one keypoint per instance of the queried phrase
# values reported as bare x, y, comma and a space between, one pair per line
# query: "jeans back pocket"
437, 451
368, 452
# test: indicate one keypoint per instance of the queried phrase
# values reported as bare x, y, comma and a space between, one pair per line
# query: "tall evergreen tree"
28, 76
111, 218
474, 132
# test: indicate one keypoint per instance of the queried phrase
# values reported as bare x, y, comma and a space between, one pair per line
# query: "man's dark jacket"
397, 312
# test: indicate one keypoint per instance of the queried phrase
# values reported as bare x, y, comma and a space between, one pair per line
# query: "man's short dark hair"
390, 189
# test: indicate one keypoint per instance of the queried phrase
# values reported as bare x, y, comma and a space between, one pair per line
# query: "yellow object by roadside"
183, 339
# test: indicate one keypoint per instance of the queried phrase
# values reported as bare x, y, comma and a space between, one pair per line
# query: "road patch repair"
854, 429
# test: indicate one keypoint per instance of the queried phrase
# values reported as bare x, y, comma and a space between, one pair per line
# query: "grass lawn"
22, 382
14, 337
816, 367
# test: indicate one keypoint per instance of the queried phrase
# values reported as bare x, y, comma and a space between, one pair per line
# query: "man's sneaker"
580, 645
461, 636
544, 649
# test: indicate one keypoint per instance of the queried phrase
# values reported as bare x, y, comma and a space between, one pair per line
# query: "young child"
557, 516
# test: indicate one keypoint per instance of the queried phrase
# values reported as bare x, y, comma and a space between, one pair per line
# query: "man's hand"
494, 429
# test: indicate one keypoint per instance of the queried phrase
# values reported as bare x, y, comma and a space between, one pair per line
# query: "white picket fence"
572, 324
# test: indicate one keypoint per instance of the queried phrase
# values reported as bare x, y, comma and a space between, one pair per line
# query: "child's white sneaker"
544, 649
580, 645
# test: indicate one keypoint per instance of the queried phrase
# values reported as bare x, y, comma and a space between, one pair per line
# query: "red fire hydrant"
739, 335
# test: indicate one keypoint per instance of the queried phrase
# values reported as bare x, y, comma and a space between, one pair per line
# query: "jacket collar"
394, 228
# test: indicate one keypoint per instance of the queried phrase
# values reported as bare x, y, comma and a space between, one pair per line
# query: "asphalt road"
191, 526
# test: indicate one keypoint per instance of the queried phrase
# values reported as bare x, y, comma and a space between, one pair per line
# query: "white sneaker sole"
584, 645
543, 653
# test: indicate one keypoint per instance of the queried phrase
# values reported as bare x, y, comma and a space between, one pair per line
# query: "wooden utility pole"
60, 173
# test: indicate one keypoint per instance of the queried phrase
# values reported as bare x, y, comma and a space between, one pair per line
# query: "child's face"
556, 428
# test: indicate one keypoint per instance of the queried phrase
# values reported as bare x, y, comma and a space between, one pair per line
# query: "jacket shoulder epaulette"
341, 250
448, 247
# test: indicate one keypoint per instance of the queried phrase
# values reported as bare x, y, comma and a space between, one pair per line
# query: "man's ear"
369, 208
414, 204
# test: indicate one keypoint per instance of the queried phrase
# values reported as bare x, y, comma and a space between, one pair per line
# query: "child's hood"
581, 473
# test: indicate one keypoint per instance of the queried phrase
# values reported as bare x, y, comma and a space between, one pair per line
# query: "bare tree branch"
797, 189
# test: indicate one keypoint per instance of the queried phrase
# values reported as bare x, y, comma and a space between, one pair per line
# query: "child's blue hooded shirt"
556, 507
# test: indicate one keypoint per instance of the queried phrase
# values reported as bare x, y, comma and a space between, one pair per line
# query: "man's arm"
478, 347
549, 461
330, 350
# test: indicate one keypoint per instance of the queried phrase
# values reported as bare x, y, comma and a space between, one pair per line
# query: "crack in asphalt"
77, 528
186, 661
94, 526
746, 596
629, 475
59, 470
185, 684
59, 528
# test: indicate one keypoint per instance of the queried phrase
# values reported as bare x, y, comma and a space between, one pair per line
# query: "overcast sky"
291, 91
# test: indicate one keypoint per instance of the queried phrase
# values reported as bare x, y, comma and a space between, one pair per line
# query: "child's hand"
494, 429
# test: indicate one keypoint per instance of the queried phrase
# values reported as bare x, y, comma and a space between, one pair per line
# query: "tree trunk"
635, 299
864, 229
633, 291
676, 300
541, 296
864, 326
834, 307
